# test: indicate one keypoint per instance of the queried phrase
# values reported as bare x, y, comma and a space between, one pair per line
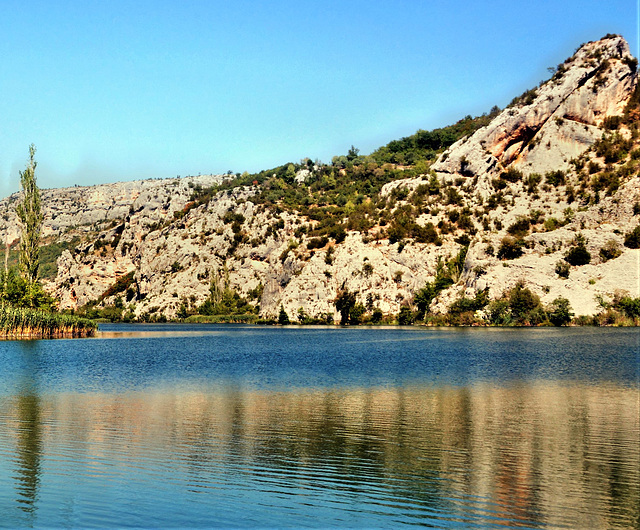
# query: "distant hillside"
522, 216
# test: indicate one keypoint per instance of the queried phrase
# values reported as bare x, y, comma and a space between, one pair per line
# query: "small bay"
245, 426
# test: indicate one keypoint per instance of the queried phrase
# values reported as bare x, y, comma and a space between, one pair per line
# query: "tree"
356, 314
560, 312
345, 301
29, 213
17, 292
353, 153
525, 305
406, 317
283, 318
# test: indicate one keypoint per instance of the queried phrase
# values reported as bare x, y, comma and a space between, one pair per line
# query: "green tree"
560, 312
357, 313
283, 318
406, 317
17, 292
345, 302
525, 305
29, 212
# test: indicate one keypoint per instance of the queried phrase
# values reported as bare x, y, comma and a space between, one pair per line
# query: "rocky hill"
550, 179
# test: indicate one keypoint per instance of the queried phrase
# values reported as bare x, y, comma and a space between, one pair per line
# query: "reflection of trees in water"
29, 435
529, 454
29, 451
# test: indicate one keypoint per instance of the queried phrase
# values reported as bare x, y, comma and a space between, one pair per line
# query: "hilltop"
540, 198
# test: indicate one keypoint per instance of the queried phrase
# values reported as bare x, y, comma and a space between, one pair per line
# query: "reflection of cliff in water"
546, 453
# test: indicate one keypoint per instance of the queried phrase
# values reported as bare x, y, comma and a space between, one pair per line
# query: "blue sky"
121, 90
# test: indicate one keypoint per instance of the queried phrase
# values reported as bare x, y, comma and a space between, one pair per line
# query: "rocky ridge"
175, 247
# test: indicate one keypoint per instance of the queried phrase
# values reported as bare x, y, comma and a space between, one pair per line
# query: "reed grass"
18, 322
222, 319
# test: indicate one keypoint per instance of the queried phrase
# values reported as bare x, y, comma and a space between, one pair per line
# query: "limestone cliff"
549, 126
542, 162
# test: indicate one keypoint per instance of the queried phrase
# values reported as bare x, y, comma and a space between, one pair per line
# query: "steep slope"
547, 127
555, 171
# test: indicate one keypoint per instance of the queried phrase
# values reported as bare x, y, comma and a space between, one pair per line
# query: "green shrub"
627, 305
511, 175
499, 314
510, 248
563, 269
15, 291
611, 250
631, 62
550, 224
328, 257
520, 228
317, 242
425, 296
632, 239
555, 178
338, 233
470, 305
425, 234
526, 98
532, 182
612, 123
357, 313
453, 197
578, 255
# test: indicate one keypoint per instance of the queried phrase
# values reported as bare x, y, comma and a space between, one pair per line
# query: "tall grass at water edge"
17, 322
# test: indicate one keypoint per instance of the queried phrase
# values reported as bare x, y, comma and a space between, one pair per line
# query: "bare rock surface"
554, 123
176, 249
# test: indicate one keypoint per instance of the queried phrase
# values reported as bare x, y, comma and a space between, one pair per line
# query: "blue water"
242, 426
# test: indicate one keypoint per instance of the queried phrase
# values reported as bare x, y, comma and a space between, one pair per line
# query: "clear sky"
120, 90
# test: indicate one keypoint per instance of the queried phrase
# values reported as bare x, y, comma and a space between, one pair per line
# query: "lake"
243, 426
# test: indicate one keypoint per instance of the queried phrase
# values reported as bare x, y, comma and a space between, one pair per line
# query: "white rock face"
559, 124
175, 248
66, 208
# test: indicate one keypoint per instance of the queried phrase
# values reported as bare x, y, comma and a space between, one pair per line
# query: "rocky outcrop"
88, 206
550, 125
176, 248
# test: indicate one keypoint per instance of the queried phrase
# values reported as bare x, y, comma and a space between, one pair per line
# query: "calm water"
161, 426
